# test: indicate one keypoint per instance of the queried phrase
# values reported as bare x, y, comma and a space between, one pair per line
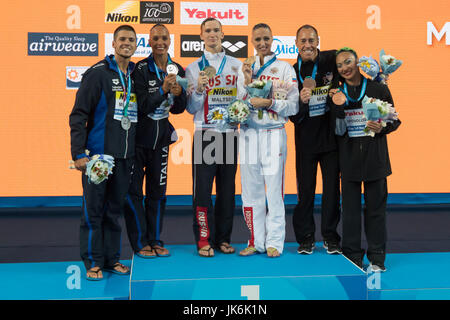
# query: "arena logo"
74, 76
432, 31
193, 46
196, 12
143, 48
121, 11
62, 44
157, 12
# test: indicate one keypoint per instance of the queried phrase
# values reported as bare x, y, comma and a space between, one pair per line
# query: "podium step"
187, 276
413, 276
59, 281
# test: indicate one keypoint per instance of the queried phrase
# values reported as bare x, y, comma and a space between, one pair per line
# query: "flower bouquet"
238, 111
379, 71
99, 168
217, 115
378, 110
183, 82
260, 89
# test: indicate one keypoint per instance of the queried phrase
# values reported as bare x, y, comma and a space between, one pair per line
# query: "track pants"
144, 218
303, 218
100, 231
262, 163
214, 157
375, 197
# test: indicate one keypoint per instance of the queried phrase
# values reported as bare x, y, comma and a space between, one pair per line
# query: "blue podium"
186, 276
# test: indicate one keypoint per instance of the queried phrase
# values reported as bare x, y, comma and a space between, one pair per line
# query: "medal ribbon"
363, 92
314, 72
268, 63
126, 92
156, 68
205, 63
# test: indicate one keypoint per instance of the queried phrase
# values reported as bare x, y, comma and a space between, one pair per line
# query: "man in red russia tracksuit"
213, 226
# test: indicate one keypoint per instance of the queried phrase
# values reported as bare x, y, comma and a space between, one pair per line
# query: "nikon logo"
222, 92
122, 11
118, 17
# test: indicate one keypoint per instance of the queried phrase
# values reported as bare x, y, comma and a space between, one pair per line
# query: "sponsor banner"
62, 44
193, 46
284, 47
73, 76
117, 11
143, 48
228, 13
157, 12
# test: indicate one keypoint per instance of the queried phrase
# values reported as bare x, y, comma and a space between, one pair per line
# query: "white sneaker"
376, 268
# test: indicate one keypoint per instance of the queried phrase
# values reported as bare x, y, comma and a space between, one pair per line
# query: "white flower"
257, 84
390, 60
238, 111
99, 168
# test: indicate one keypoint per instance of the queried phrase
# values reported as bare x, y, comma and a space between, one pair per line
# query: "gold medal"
250, 60
210, 71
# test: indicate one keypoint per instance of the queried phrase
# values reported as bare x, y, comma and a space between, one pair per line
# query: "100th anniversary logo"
157, 12
62, 44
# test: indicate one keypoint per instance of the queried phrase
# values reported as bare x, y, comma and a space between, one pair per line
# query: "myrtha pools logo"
73, 76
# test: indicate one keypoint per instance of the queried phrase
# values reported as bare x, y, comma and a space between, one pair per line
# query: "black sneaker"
306, 247
332, 247
376, 267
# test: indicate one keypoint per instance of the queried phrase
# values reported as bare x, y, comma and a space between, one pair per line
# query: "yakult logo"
196, 12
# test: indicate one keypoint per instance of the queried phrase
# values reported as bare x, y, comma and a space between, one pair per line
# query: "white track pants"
262, 162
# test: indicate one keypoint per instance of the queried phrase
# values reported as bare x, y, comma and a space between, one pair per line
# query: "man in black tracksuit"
105, 98
315, 143
363, 160
159, 94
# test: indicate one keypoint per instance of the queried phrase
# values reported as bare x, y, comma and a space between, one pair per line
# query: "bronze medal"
339, 98
309, 83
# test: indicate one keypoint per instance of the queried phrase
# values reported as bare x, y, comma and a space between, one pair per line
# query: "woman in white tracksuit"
262, 147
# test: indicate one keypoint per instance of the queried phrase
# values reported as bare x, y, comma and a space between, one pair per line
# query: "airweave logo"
121, 11
193, 46
62, 44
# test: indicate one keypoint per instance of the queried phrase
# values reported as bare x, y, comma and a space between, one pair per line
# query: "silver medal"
126, 123
172, 69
